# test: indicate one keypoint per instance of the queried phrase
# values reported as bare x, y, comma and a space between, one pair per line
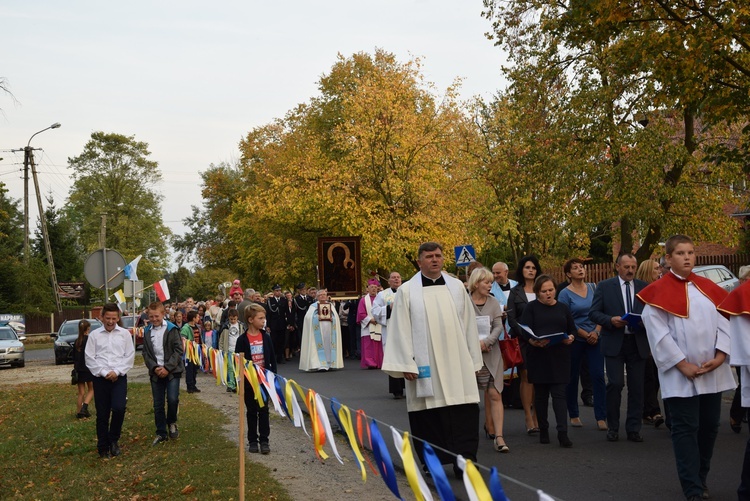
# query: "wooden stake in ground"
241, 394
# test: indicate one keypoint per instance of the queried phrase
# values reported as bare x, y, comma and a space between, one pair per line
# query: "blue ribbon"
383, 458
496, 488
438, 474
280, 393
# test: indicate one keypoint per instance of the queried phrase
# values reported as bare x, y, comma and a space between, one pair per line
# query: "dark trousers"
191, 373
396, 385
161, 388
587, 387
743, 492
258, 422
454, 428
736, 411
542, 393
651, 389
695, 424
592, 354
636, 365
110, 398
279, 340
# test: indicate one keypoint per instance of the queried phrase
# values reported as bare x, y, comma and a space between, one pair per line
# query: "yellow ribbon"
252, 377
346, 421
407, 457
480, 488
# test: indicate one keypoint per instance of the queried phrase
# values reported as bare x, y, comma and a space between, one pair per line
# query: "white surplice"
454, 351
380, 310
695, 339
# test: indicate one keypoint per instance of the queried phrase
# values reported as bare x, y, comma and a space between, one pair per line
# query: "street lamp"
27, 159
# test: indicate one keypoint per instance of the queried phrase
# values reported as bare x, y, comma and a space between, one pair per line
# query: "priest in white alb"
433, 344
381, 311
321, 337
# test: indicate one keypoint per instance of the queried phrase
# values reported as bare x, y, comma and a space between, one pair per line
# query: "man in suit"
276, 322
623, 346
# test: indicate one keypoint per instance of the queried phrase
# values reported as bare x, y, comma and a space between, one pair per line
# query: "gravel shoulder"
292, 460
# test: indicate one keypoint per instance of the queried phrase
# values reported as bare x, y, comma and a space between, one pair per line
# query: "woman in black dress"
85, 378
548, 362
520, 295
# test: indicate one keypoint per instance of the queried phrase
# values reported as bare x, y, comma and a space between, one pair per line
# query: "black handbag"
74, 377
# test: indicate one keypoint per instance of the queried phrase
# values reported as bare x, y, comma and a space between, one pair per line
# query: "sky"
192, 81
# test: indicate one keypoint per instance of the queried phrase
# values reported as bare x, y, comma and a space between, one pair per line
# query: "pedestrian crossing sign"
465, 255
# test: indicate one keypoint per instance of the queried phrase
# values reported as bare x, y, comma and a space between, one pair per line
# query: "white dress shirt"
109, 351
157, 339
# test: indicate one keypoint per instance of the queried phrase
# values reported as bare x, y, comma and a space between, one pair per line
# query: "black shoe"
229, 390
85, 410
588, 401
190, 390
658, 420
159, 439
196, 390
80, 415
612, 436
253, 447
104, 454
114, 449
544, 436
562, 437
265, 448
634, 436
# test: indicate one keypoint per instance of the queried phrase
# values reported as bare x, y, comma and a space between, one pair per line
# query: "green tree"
203, 283
375, 154
114, 176
207, 240
11, 248
67, 256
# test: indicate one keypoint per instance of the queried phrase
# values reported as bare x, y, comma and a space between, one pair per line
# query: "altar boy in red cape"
689, 340
737, 307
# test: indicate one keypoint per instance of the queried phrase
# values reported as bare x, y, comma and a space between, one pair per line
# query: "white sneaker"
173, 431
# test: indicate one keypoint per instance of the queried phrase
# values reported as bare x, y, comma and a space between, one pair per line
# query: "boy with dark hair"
191, 331
109, 356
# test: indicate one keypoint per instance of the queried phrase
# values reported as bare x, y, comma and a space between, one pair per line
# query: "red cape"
737, 302
670, 293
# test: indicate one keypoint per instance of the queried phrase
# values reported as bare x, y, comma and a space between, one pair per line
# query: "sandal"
500, 447
533, 430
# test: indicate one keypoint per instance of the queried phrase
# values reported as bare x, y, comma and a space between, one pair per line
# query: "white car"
718, 274
12, 351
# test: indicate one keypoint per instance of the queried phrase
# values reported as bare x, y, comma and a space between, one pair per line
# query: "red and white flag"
162, 291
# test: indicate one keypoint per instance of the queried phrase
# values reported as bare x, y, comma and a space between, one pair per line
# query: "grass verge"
49, 454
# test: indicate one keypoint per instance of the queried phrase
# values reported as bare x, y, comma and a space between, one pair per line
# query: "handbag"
511, 352
74, 377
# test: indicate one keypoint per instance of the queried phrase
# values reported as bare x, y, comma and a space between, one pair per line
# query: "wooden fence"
601, 271
47, 323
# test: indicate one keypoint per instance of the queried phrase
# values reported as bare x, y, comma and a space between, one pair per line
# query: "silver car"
718, 274
12, 351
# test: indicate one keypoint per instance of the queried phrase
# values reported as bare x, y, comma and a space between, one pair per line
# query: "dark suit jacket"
608, 303
517, 302
275, 318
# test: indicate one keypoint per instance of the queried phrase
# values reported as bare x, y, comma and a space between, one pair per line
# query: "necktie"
628, 302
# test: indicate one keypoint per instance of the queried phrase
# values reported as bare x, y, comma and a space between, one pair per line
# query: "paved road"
593, 469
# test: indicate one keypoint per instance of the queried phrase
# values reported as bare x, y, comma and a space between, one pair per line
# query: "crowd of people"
651, 327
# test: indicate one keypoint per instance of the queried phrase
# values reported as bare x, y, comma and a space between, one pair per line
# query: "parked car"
718, 274
128, 322
12, 351
65, 338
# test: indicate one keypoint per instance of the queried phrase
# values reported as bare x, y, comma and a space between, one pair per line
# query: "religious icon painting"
324, 312
339, 266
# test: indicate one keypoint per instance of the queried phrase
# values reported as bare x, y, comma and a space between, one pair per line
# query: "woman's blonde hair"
479, 275
646, 270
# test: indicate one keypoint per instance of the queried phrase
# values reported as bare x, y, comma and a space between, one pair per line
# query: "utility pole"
26, 155
45, 235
